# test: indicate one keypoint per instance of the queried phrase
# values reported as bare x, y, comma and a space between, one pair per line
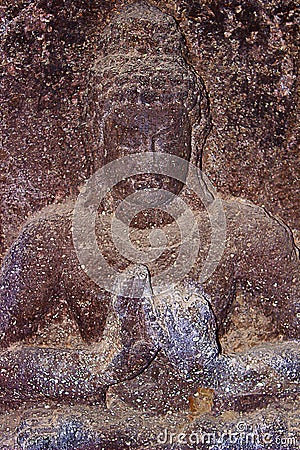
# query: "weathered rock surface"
53, 106
244, 51
90, 427
42, 271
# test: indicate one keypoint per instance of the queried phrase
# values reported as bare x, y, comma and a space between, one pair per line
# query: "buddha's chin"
146, 205
151, 218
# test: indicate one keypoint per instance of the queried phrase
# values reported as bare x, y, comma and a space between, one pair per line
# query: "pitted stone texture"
44, 98
92, 428
246, 52
42, 269
45, 246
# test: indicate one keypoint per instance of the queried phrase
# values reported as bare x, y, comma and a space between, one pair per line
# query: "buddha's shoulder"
59, 214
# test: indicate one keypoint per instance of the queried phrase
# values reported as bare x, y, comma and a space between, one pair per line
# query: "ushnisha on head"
143, 96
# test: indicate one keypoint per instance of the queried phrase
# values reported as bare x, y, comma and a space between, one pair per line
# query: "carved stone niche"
111, 343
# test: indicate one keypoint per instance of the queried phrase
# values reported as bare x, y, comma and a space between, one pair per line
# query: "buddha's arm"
271, 269
28, 283
188, 333
29, 373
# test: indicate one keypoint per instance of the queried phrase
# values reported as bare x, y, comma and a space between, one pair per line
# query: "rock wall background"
245, 51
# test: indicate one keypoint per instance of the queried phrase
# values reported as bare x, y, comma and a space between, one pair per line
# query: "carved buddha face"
143, 96
138, 128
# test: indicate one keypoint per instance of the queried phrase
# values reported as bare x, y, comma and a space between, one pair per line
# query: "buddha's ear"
94, 115
201, 124
200, 121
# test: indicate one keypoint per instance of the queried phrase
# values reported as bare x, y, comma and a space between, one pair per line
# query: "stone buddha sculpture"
145, 97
